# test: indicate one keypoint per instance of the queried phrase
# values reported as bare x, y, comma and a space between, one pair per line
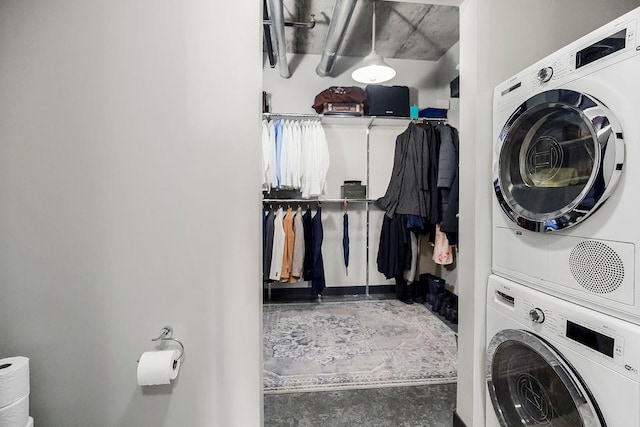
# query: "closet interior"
360, 149
359, 211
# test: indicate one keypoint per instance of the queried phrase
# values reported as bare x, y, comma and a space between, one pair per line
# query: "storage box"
346, 108
353, 190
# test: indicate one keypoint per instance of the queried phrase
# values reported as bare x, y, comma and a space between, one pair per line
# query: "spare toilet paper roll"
158, 367
16, 414
30, 423
14, 379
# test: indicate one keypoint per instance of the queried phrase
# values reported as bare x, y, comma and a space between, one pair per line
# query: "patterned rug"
341, 345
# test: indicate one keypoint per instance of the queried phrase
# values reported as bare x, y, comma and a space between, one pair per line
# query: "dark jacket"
409, 187
392, 249
318, 280
450, 214
447, 163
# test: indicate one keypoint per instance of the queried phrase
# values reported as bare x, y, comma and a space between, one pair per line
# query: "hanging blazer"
409, 187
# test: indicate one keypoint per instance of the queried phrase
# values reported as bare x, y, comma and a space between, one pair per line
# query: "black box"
455, 87
388, 100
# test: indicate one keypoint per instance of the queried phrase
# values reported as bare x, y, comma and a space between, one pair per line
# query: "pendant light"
373, 68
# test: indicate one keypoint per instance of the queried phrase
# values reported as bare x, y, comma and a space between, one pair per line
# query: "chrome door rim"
609, 158
587, 409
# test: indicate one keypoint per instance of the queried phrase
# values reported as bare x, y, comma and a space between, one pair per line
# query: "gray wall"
123, 124
498, 39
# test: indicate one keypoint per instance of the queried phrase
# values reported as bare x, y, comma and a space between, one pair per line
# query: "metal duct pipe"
276, 7
340, 18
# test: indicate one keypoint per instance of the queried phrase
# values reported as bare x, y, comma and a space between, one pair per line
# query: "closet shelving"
345, 120
340, 119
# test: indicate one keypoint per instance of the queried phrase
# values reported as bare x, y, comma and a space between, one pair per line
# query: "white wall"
497, 39
129, 199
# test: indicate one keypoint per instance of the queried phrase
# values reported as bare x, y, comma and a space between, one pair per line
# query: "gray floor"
417, 406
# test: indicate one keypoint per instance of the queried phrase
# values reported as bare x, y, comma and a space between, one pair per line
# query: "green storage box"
353, 190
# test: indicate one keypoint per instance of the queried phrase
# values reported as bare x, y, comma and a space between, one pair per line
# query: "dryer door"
560, 155
530, 384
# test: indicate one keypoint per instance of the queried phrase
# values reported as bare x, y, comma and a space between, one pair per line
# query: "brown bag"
339, 94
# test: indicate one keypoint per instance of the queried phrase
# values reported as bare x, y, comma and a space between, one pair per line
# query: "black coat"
394, 243
409, 187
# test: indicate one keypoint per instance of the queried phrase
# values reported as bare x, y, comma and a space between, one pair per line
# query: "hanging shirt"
284, 155
415, 254
278, 246
315, 161
298, 246
273, 169
289, 238
265, 155
279, 131
267, 250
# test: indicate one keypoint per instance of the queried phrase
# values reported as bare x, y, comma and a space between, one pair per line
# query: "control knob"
536, 315
545, 74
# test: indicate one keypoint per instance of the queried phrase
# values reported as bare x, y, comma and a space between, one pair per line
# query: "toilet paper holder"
166, 334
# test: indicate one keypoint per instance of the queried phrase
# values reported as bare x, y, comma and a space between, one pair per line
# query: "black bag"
388, 100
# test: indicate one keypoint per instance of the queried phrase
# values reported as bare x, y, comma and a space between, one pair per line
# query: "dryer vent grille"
596, 267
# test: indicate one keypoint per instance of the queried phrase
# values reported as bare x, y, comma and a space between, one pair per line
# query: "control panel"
600, 340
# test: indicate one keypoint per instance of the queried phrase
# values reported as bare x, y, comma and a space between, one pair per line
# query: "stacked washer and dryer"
563, 308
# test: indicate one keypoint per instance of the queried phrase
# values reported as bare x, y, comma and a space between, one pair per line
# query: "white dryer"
567, 132
553, 363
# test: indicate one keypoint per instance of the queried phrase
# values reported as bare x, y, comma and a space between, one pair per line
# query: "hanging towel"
442, 253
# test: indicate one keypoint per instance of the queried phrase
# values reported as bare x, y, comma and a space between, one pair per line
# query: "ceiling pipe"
340, 18
276, 7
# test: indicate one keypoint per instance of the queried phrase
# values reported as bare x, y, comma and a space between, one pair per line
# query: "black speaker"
387, 100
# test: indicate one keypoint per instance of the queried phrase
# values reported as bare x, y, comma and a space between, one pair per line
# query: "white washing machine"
567, 132
553, 363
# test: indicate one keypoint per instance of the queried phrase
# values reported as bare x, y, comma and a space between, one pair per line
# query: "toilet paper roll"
30, 423
16, 414
158, 367
14, 380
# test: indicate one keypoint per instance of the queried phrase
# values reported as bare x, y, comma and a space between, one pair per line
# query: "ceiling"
403, 30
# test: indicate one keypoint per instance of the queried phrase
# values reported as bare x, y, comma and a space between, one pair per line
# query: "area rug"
364, 344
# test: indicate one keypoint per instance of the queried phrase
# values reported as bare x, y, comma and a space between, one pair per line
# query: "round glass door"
530, 384
560, 155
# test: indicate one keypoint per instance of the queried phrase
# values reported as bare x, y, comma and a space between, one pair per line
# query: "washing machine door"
558, 158
530, 384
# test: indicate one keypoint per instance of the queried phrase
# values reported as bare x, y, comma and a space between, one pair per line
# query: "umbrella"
345, 236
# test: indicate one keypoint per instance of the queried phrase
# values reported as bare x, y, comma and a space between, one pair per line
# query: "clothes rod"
431, 119
283, 201
293, 115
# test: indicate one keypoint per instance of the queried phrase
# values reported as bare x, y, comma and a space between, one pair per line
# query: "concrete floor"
416, 406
